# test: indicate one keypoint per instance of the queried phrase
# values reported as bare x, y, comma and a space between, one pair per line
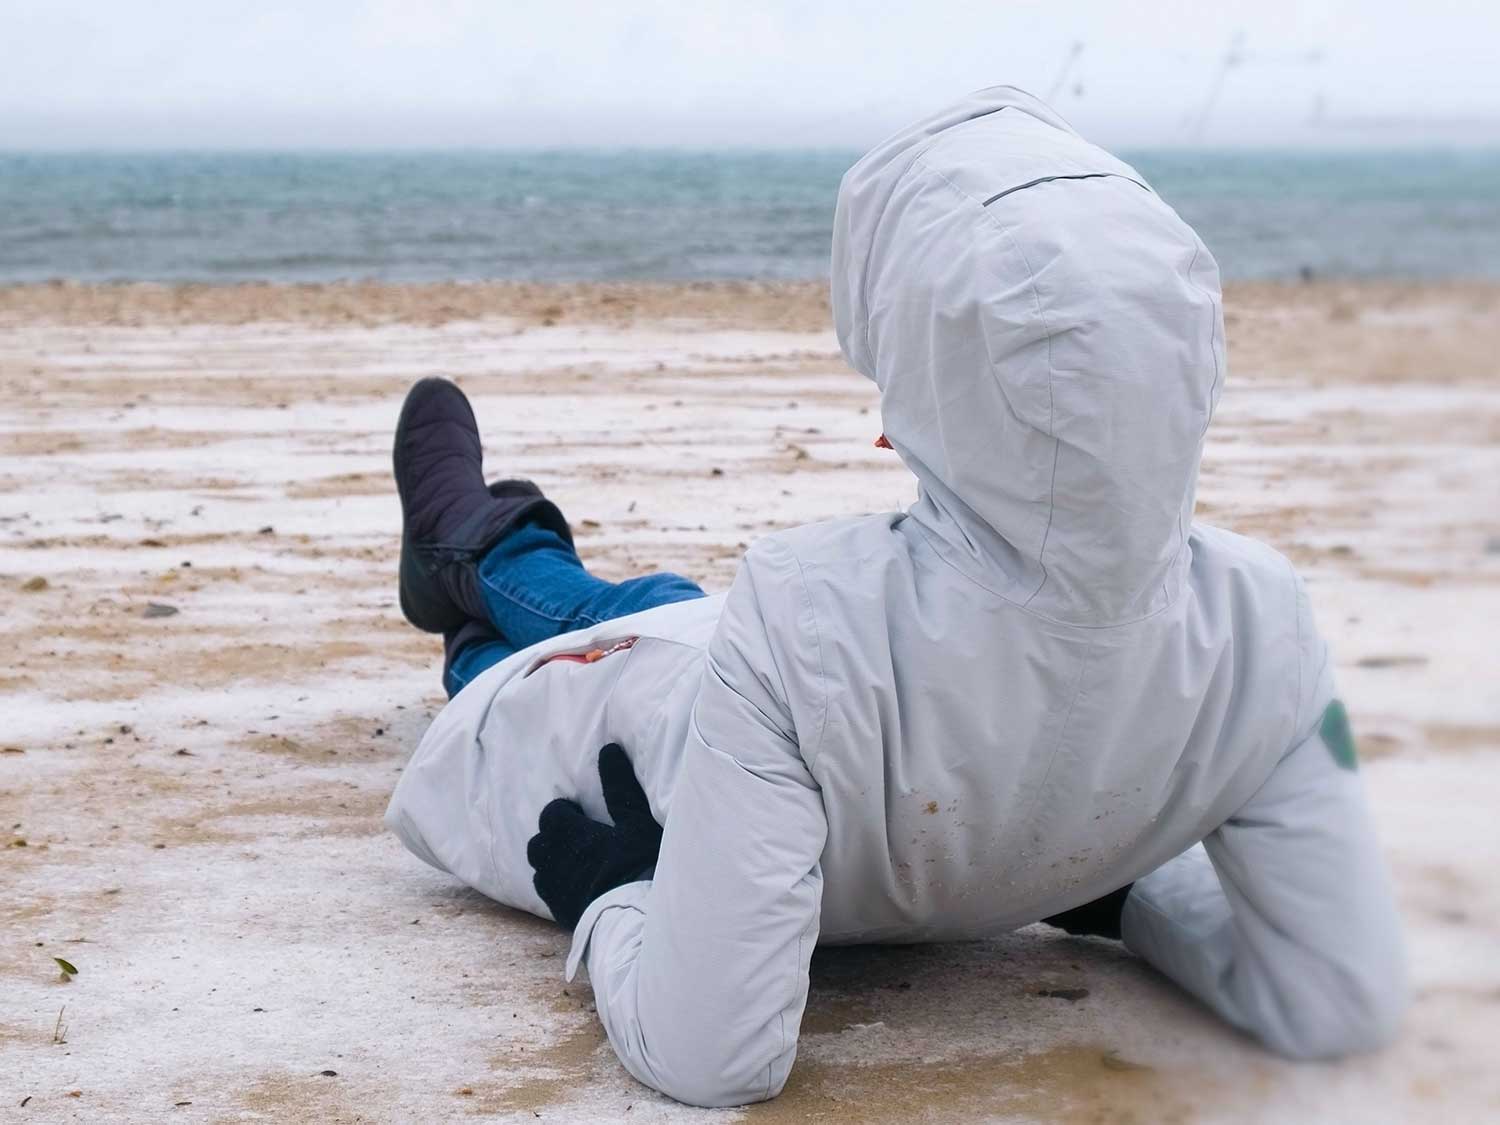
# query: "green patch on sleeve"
1336, 735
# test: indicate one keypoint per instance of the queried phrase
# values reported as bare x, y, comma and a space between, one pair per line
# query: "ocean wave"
668, 215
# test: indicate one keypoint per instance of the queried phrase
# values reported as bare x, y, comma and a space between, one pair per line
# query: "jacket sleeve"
1283, 922
701, 975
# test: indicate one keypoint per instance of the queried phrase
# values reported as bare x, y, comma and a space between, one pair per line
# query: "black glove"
1100, 918
577, 859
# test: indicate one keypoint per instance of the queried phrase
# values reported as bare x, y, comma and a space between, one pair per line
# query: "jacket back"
982, 766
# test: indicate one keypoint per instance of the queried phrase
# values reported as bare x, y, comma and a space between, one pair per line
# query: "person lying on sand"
1041, 693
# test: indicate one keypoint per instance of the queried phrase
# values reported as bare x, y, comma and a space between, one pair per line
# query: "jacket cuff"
628, 896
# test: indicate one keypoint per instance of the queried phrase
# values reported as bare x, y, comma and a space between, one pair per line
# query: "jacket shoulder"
1267, 585
1217, 549
841, 541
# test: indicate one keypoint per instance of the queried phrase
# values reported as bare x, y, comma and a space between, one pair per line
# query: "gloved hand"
1100, 918
577, 859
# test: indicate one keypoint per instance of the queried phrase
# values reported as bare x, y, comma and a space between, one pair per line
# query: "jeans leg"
535, 587
471, 659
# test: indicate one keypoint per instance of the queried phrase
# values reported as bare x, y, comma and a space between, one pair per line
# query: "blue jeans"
535, 587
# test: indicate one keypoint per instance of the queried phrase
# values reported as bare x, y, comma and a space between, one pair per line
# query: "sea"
670, 214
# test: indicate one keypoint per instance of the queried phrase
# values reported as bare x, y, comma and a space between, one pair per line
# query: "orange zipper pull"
882, 442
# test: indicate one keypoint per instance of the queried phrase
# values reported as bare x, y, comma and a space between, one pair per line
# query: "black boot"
449, 516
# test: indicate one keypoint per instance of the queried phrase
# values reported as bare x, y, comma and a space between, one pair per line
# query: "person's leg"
491, 567
535, 587
468, 651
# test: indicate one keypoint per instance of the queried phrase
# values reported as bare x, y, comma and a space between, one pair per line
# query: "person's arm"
1283, 922
701, 975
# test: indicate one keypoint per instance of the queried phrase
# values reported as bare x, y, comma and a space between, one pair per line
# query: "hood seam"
918, 151
1036, 297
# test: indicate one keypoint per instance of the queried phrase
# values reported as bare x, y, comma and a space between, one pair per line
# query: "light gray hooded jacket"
1040, 683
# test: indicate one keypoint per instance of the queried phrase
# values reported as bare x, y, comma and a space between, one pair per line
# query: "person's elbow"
709, 1064
709, 1078
1352, 1012
712, 1091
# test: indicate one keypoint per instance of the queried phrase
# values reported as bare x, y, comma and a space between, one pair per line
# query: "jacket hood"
1047, 337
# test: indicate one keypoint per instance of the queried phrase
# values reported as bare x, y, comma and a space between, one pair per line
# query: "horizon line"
1443, 145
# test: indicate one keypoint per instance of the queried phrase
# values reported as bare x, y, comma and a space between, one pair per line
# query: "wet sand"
192, 794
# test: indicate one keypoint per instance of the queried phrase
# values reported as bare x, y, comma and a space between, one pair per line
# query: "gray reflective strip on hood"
1049, 179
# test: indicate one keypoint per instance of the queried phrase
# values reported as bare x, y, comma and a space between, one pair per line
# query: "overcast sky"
379, 73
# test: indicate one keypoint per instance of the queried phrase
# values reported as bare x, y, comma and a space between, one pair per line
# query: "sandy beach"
210, 691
